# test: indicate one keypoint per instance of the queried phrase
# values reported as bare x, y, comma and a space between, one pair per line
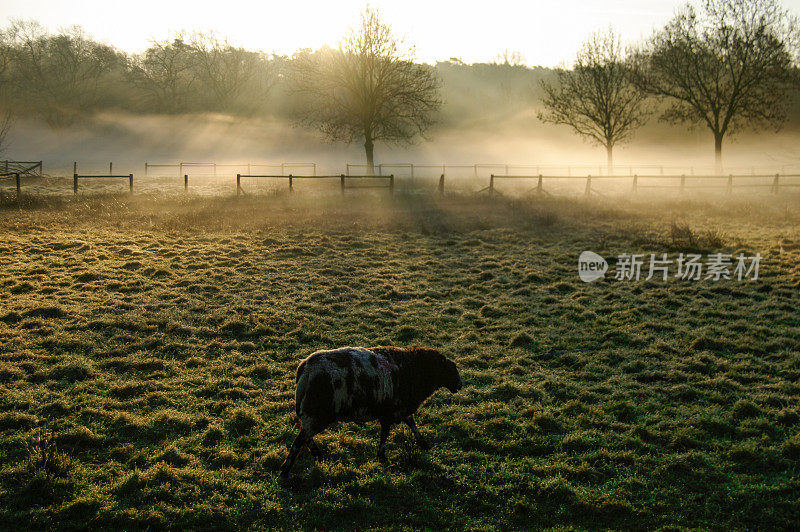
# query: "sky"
547, 33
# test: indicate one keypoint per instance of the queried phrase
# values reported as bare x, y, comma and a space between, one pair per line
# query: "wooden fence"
75, 178
417, 176
17, 181
730, 181
341, 177
477, 170
214, 169
23, 168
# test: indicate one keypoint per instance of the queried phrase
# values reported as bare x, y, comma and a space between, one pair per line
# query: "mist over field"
131, 140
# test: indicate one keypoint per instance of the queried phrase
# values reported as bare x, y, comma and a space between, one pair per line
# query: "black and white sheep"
358, 384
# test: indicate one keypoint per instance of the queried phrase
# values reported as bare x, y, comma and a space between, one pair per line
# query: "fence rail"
76, 177
181, 168
341, 177
775, 182
573, 170
23, 168
17, 181
421, 177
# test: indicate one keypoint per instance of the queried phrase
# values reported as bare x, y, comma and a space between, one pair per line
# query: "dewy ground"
148, 348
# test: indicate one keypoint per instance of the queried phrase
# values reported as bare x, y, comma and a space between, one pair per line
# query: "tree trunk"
610, 159
718, 153
369, 147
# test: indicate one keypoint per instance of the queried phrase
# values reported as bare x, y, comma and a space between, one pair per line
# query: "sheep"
359, 384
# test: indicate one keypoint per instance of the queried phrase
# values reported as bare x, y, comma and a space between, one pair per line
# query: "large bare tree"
164, 73
367, 89
727, 66
597, 98
223, 70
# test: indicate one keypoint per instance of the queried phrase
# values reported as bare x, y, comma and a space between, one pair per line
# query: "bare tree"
727, 66
597, 98
510, 58
6, 117
223, 70
368, 89
59, 76
164, 73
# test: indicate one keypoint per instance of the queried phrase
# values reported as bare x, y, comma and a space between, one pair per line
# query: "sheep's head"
444, 368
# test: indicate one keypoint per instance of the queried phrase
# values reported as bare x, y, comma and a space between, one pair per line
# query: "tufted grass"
148, 346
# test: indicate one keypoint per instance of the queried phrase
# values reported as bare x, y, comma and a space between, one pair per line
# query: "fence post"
539, 185
588, 184
19, 185
238, 184
110, 168
391, 184
291, 188
130, 181
186, 182
6, 170
75, 167
775, 184
440, 189
491, 184
75, 183
635, 182
342, 178
730, 184
683, 182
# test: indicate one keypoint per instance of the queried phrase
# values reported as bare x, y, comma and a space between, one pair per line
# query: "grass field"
148, 348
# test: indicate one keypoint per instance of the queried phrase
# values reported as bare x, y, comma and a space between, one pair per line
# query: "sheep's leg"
385, 427
316, 452
417, 436
298, 444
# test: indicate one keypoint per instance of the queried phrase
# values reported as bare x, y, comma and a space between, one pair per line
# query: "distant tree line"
65, 76
727, 65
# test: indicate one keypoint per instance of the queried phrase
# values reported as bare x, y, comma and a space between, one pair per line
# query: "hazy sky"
546, 32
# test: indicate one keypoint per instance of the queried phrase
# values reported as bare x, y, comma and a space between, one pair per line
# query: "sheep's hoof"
382, 457
423, 445
285, 471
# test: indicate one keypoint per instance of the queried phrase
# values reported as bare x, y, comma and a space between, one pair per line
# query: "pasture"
148, 346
